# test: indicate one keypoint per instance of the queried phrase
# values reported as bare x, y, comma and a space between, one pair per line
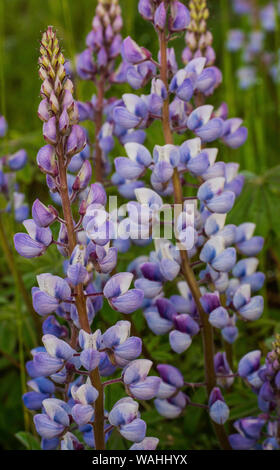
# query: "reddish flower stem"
113, 381
80, 299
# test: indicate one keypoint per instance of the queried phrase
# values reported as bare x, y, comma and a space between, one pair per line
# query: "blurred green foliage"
21, 25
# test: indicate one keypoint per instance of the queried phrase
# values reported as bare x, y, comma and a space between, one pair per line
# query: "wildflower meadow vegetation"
139, 224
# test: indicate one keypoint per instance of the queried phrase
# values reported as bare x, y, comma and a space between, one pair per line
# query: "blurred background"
255, 98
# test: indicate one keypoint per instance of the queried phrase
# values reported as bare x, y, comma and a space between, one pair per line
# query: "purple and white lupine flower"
198, 38
136, 380
51, 292
9, 165
97, 63
149, 443
217, 294
172, 407
125, 416
218, 409
119, 296
118, 344
35, 242
260, 432
223, 370
41, 388
217, 245
77, 358
171, 381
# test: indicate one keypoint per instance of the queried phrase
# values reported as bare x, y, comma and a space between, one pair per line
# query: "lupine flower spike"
97, 63
215, 298
73, 356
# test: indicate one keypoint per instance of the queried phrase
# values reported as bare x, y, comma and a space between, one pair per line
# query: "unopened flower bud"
160, 16
46, 160
83, 177
49, 131
42, 215
43, 110
76, 141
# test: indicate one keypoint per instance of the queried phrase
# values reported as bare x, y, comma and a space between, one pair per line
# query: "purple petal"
171, 375
134, 431
125, 119
130, 349
249, 363
179, 342
90, 359
128, 302
82, 414
47, 428
27, 247
43, 303
146, 389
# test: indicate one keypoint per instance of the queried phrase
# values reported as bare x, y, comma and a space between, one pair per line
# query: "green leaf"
29, 441
257, 202
7, 336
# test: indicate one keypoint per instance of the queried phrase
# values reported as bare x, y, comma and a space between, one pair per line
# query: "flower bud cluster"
66, 388
198, 39
97, 63
103, 42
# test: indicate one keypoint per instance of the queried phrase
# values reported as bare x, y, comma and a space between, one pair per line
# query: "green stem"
277, 48
21, 359
80, 299
2, 41
249, 148
229, 353
17, 277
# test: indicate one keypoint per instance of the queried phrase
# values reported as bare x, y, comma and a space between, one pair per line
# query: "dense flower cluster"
72, 356
97, 63
211, 265
262, 431
222, 293
253, 44
9, 165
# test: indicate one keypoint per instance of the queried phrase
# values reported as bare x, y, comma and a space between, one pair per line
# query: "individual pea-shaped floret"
84, 397
218, 409
35, 243
90, 355
137, 382
171, 381
117, 292
125, 416
53, 422
120, 347
52, 291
